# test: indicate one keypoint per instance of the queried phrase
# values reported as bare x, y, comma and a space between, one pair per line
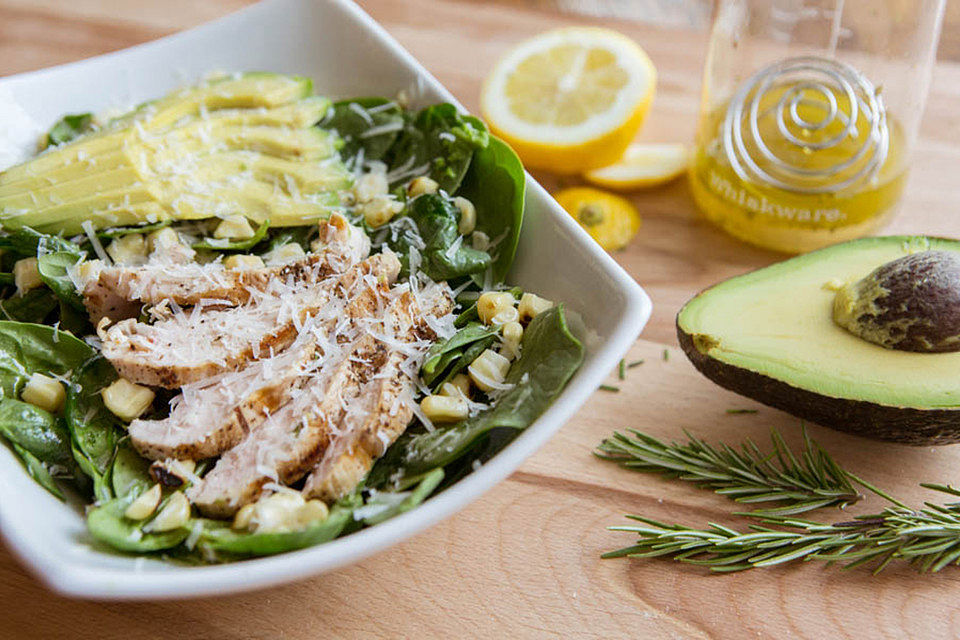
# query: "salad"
242, 319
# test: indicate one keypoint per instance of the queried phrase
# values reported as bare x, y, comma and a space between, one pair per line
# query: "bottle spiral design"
841, 133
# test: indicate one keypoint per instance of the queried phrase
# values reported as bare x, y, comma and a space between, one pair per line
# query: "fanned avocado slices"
246, 144
832, 337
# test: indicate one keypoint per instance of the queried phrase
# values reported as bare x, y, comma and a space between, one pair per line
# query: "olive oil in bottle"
803, 155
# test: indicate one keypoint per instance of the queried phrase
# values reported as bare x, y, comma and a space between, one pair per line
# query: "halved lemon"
570, 100
610, 219
642, 165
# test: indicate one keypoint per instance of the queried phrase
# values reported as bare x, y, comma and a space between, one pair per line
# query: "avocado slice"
771, 335
242, 142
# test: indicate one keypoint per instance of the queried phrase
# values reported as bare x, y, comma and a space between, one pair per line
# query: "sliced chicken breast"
200, 343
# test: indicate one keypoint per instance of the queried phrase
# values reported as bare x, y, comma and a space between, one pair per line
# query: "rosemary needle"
609, 387
635, 363
622, 370
739, 411
666, 354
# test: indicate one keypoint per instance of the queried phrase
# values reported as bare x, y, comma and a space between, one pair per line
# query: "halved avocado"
771, 335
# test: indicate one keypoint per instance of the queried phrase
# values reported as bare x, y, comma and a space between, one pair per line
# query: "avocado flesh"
270, 157
777, 322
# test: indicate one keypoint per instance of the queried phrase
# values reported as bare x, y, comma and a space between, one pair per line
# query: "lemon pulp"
770, 216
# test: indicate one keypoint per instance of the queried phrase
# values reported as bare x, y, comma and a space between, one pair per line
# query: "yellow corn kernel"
462, 382
532, 305
26, 276
510, 314
44, 392
285, 253
371, 185
278, 512
243, 261
234, 227
380, 210
445, 408
127, 400
492, 303
312, 511
173, 515
89, 270
162, 239
145, 504
422, 185
480, 241
244, 517
489, 370
512, 333
130, 249
468, 215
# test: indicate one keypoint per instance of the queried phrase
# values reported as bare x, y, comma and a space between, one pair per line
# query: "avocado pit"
908, 304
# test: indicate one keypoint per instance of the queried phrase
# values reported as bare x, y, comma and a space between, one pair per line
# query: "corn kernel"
462, 382
492, 303
468, 215
127, 400
243, 261
380, 210
44, 392
489, 370
277, 512
162, 239
145, 504
173, 515
130, 249
244, 517
445, 408
510, 314
371, 185
234, 227
283, 254
311, 512
26, 276
422, 185
532, 305
89, 270
480, 241
512, 333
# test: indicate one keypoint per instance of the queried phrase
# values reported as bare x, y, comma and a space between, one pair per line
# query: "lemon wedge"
611, 220
642, 165
570, 100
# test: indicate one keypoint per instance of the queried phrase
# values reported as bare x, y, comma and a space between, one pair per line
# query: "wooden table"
524, 560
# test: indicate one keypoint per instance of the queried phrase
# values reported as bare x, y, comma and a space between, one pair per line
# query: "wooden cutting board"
524, 559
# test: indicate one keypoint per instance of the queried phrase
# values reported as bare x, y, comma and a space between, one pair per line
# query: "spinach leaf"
27, 243
433, 362
130, 472
73, 320
374, 132
392, 507
219, 536
442, 258
288, 235
441, 138
469, 355
107, 524
27, 348
36, 430
53, 269
7, 279
33, 306
94, 430
225, 244
69, 127
496, 185
117, 232
550, 354
38, 471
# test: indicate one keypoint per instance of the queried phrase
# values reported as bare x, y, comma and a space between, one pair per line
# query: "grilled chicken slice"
384, 408
118, 292
212, 416
288, 443
190, 346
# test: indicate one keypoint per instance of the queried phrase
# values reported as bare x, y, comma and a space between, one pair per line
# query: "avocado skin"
919, 427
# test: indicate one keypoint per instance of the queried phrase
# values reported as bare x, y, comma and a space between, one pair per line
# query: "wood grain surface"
524, 560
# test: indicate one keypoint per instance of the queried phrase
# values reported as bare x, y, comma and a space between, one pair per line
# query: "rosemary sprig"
929, 539
747, 475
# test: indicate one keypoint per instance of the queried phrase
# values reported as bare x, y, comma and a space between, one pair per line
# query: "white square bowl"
347, 54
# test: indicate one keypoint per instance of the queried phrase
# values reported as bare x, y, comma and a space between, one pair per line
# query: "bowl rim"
77, 580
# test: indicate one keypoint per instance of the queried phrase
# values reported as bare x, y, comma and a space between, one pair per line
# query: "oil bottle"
809, 111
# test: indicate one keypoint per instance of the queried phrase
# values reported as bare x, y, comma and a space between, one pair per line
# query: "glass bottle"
808, 115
